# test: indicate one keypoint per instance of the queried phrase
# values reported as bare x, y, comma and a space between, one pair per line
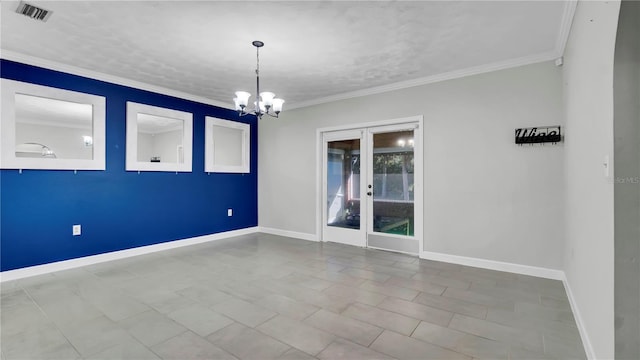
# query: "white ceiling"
314, 50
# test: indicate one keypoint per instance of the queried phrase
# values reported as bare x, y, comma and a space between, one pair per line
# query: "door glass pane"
393, 210
343, 183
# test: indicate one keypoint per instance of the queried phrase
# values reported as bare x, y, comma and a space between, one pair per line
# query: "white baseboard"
524, 270
287, 233
116, 255
495, 265
588, 347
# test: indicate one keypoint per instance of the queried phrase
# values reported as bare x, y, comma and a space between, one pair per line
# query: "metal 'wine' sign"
538, 135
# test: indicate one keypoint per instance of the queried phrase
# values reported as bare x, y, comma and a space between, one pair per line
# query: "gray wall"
588, 97
626, 89
484, 196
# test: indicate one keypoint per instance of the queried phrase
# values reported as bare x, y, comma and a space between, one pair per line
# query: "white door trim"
419, 151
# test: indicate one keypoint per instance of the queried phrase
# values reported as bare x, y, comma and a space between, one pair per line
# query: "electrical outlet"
229, 212
77, 230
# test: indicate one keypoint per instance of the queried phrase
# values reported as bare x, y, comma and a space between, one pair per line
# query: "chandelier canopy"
266, 102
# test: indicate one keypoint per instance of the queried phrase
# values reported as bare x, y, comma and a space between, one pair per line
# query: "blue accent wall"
116, 208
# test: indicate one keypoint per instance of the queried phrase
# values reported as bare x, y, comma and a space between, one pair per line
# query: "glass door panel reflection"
393, 183
343, 183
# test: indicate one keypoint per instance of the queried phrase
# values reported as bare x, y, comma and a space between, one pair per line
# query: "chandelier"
266, 103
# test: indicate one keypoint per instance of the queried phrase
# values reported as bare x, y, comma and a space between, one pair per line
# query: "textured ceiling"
313, 50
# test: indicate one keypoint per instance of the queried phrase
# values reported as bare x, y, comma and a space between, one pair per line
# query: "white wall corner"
116, 255
588, 347
565, 26
523, 270
287, 233
541, 272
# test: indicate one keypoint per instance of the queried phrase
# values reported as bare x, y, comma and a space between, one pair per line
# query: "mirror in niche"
226, 146
158, 139
49, 128
52, 129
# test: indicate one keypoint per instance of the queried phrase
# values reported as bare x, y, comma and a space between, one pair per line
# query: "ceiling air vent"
33, 12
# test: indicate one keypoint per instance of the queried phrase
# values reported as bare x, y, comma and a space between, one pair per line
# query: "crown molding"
565, 26
475, 70
74, 70
558, 51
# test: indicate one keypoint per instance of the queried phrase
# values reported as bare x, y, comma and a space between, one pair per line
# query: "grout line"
51, 320
450, 319
329, 344
253, 327
376, 338
414, 329
308, 316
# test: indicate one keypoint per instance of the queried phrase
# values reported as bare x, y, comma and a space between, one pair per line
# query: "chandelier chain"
257, 61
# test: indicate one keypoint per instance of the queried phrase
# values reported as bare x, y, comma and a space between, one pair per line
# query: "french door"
372, 187
343, 218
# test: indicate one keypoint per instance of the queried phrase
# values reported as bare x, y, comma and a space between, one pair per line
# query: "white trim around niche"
8, 159
132, 162
210, 146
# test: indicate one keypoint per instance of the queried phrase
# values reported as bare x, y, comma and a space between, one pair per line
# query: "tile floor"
269, 297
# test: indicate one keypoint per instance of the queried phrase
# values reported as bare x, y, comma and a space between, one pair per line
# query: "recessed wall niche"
158, 139
227, 146
51, 129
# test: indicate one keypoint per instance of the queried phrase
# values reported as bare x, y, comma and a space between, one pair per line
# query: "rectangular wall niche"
538, 135
226, 146
158, 139
51, 129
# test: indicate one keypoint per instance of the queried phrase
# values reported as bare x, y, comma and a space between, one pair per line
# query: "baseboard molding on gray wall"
287, 233
523, 270
116, 255
588, 347
495, 265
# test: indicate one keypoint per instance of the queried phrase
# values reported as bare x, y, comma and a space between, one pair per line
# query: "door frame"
418, 176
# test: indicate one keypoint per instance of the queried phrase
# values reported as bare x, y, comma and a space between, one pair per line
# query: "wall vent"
33, 12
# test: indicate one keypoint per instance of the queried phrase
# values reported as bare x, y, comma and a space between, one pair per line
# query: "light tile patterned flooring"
268, 297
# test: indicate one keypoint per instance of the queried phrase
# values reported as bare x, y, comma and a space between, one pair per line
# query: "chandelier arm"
242, 98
